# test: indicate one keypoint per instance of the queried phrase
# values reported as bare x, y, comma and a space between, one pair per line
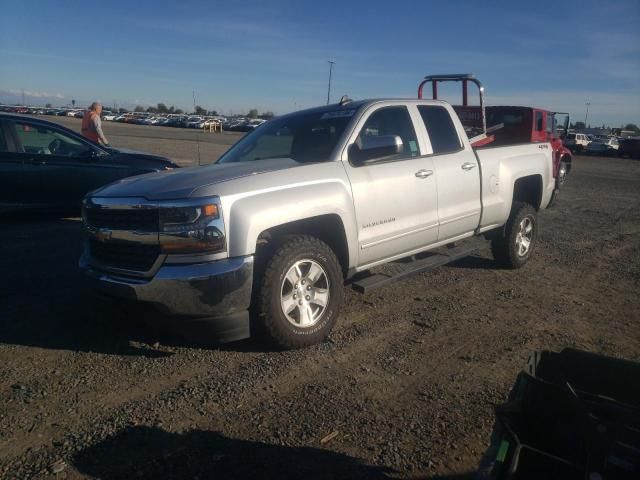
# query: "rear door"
457, 171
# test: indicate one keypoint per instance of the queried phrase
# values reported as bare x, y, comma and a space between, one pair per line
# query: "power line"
197, 135
586, 115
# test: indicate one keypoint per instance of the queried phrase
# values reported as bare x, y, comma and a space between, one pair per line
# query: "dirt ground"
404, 387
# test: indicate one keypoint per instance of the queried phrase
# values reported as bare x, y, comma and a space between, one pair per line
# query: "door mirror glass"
387, 135
369, 148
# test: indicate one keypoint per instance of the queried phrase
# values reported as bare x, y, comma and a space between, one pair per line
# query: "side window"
387, 134
550, 126
539, 121
40, 140
442, 132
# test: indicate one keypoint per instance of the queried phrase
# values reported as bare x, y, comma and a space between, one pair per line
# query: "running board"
434, 260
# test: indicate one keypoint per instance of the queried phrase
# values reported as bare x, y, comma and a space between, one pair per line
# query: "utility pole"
331, 64
586, 115
23, 96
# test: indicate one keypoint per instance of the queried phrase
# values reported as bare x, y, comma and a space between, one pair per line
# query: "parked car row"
603, 146
60, 112
237, 124
233, 124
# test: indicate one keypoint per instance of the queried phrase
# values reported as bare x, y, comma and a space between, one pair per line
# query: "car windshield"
305, 138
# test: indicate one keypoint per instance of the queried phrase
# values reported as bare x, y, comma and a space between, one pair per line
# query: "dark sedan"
43, 164
629, 147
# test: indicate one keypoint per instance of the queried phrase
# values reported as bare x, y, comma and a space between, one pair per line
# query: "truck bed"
497, 164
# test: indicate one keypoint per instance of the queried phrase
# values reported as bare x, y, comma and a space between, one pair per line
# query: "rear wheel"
300, 292
514, 247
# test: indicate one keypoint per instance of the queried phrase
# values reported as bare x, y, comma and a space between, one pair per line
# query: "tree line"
581, 126
162, 108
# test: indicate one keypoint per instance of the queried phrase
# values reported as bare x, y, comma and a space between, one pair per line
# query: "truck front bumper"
205, 301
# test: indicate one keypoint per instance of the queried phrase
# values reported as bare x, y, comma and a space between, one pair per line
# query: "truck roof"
356, 104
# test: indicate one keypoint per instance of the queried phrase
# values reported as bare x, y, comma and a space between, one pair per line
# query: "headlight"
192, 227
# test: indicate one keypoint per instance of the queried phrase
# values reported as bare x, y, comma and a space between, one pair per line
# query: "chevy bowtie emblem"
103, 235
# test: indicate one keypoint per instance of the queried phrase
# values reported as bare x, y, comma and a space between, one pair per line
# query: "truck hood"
181, 183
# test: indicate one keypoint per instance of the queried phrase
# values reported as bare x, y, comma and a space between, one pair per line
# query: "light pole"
331, 63
586, 115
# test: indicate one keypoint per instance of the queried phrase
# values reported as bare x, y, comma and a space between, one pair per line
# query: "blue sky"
273, 55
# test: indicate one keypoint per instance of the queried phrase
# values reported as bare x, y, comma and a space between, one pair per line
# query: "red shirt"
88, 126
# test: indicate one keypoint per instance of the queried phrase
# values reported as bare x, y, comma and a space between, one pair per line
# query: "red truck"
507, 125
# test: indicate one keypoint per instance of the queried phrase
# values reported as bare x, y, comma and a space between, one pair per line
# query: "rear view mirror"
369, 149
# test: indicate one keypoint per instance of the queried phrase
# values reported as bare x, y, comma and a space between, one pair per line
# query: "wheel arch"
529, 190
324, 210
328, 228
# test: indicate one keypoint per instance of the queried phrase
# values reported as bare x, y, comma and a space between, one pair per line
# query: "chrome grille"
123, 233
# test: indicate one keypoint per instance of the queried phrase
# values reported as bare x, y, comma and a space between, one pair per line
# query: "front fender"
252, 211
252, 215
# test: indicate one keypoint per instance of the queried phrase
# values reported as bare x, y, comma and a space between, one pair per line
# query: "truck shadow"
475, 262
43, 300
150, 453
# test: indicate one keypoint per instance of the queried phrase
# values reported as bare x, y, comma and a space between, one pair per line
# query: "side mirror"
369, 149
90, 154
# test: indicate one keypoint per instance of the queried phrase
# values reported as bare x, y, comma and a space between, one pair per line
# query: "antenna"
193, 92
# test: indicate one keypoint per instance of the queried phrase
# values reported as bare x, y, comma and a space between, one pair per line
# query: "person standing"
92, 124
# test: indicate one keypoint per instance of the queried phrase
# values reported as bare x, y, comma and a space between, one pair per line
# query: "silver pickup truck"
265, 238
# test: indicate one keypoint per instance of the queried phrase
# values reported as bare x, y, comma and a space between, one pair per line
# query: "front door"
395, 196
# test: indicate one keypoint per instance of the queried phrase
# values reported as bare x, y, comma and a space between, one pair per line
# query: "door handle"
468, 166
424, 173
35, 161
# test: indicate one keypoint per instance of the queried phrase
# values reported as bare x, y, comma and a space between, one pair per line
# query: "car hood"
140, 159
180, 184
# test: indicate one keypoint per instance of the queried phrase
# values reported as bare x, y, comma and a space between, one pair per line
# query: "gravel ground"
404, 387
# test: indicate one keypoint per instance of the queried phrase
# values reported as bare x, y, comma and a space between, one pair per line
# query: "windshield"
305, 138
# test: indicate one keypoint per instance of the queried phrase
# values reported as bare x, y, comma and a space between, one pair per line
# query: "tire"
508, 249
562, 174
293, 309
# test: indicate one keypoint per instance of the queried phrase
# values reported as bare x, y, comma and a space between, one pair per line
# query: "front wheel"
514, 247
300, 292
